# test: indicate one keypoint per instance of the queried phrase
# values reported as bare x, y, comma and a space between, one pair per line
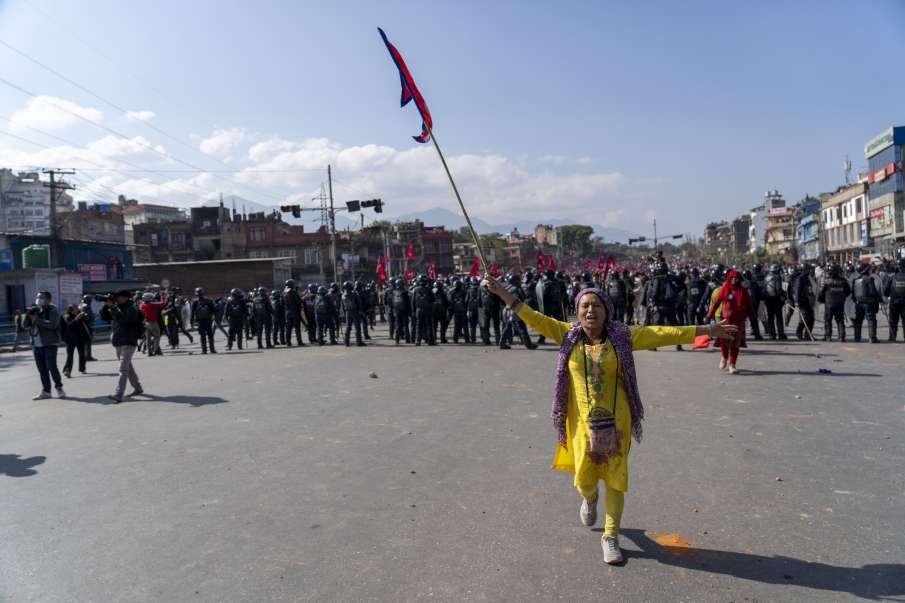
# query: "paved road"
291, 475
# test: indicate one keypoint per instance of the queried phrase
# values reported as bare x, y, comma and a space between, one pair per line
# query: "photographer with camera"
126, 322
43, 324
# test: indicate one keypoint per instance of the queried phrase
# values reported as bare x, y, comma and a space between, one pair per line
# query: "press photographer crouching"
42, 321
127, 325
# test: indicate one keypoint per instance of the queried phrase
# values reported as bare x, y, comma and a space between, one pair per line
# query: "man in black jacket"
127, 327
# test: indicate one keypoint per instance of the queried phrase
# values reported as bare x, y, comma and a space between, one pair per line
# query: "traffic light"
294, 209
353, 205
378, 206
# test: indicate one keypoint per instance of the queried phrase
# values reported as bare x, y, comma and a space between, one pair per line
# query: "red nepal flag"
551, 263
409, 275
541, 260
494, 270
410, 91
381, 271
410, 253
474, 267
432, 270
600, 262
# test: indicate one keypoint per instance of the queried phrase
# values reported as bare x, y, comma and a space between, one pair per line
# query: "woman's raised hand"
724, 330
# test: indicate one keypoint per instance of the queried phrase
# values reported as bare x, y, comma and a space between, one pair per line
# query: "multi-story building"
162, 242
780, 237
25, 203
757, 230
807, 229
521, 251
846, 234
465, 254
545, 235
738, 241
149, 213
428, 243
99, 222
884, 154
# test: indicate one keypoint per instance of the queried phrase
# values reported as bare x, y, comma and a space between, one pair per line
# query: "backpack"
773, 286
203, 311
865, 290
666, 292
897, 291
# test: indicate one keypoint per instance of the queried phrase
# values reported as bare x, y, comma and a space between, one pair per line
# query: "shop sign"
877, 144
93, 272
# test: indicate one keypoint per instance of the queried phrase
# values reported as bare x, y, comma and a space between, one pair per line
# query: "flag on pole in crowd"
410, 252
541, 260
432, 270
409, 275
494, 271
600, 262
551, 263
587, 266
475, 267
381, 272
410, 91
609, 264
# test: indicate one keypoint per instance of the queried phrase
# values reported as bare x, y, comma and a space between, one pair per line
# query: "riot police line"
461, 309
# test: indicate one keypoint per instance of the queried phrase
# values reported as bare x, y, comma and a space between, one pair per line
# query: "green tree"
575, 239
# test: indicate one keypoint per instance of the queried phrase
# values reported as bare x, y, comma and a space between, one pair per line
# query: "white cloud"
52, 113
143, 115
222, 142
114, 146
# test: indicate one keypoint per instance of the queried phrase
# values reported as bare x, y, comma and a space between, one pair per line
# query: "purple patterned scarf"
620, 336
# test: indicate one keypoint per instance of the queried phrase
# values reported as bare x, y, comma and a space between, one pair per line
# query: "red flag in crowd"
410, 253
609, 264
432, 270
551, 263
381, 272
587, 266
474, 267
600, 262
541, 260
409, 275
494, 271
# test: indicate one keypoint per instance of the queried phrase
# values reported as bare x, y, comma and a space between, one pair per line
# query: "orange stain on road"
676, 544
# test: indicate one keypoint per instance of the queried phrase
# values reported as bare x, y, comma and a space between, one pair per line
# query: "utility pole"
332, 223
55, 254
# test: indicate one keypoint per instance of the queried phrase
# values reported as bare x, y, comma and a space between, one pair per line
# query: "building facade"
99, 222
757, 229
25, 203
886, 205
149, 213
846, 232
780, 237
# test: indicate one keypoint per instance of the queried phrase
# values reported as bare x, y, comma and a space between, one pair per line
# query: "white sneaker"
611, 552
42, 396
61, 393
722, 364
732, 369
588, 512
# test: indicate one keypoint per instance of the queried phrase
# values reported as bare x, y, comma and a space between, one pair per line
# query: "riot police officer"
697, 288
322, 314
279, 318
263, 316
292, 302
400, 309
753, 287
867, 303
440, 312
801, 295
490, 313
352, 313
616, 290
832, 295
895, 291
473, 308
308, 311
423, 302
364, 307
459, 311
335, 299
203, 314
236, 314
774, 299
512, 324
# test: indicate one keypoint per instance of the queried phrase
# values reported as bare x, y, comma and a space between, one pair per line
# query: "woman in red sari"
736, 308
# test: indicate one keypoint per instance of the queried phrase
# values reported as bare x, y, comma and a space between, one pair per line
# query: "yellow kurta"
575, 460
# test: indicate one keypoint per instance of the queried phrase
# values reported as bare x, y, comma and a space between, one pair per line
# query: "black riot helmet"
359, 285
514, 280
275, 294
312, 288
199, 291
864, 269
757, 269
774, 269
347, 286
661, 268
290, 283
262, 291
695, 273
235, 293
86, 299
322, 290
560, 275
549, 274
835, 270
334, 287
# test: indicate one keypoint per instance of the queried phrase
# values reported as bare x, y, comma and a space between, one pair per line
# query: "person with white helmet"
150, 309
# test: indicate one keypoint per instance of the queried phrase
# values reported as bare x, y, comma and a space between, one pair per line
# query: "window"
154, 239
312, 256
256, 234
258, 253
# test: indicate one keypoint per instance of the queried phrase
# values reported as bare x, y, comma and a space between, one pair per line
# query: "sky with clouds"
610, 113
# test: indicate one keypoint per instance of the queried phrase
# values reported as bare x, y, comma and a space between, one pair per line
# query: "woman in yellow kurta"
597, 407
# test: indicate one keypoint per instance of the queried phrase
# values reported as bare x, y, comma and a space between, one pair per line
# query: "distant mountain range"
436, 216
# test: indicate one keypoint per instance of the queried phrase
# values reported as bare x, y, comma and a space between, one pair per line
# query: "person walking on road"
43, 324
126, 325
734, 303
77, 334
597, 407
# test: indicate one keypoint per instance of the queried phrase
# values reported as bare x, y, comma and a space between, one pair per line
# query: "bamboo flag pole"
474, 235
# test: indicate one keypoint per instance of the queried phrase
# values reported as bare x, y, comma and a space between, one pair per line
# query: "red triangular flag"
474, 267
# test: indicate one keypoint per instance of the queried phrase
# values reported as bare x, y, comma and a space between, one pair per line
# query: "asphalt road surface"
293, 475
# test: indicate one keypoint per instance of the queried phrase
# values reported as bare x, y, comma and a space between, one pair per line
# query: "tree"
575, 239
